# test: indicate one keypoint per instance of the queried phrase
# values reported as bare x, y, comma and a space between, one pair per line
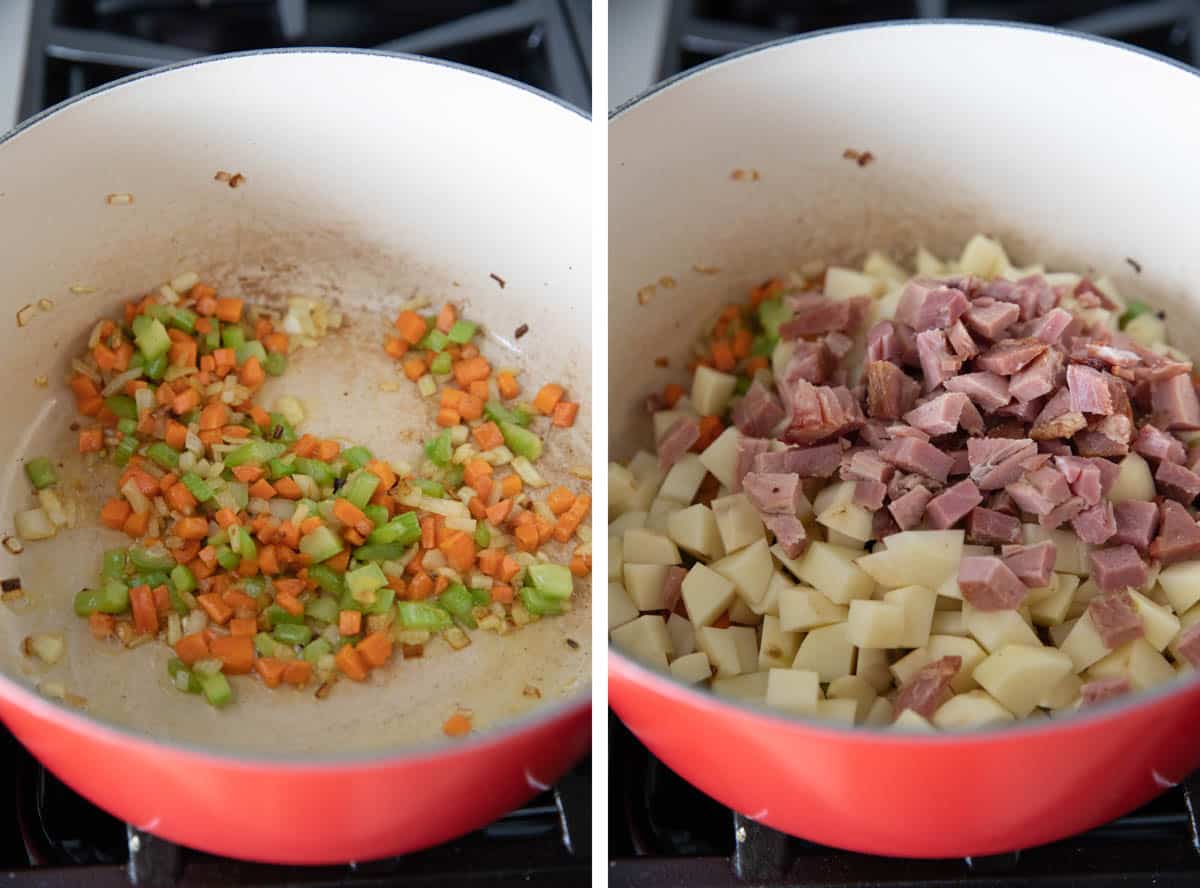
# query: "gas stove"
75, 45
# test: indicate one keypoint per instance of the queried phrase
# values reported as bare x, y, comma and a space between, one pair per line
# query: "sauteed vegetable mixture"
260, 549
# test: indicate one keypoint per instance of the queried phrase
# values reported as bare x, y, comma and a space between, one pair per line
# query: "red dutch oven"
367, 181
1075, 152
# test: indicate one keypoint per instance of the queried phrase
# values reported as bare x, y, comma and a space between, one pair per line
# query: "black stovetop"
665, 833
79, 44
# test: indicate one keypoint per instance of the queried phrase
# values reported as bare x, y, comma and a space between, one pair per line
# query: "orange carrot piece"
420, 588
470, 408
91, 439
243, 626
412, 326
497, 512
459, 550
262, 489
328, 450
176, 434
137, 524
446, 318
527, 538
559, 500
145, 614
351, 663
349, 622
564, 414
115, 512
489, 561
551, 393
247, 474
511, 485
339, 562
502, 594
218, 611
428, 532
508, 386
447, 417
252, 374
191, 648
508, 569
229, 309
487, 435
710, 430
101, 625
186, 401
268, 561
213, 416
276, 343
477, 509
195, 528
457, 725
581, 565
352, 516
722, 356
376, 649
414, 368
470, 369
226, 518
236, 653
270, 670
298, 673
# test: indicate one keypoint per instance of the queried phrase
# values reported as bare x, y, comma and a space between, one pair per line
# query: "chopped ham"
1037, 379
839, 344
927, 690
1153, 442
1057, 420
989, 584
1136, 523
1096, 525
915, 455
996, 462
820, 461
1174, 399
890, 391
821, 412
758, 412
1040, 491
1033, 565
1178, 536
928, 305
1177, 482
816, 315
1008, 356
883, 344
811, 361
989, 527
1115, 619
1050, 327
1188, 644
1117, 568
962, 463
909, 509
867, 466
1101, 689
677, 441
989, 391
961, 342
1089, 390
774, 494
992, 320
673, 585
1063, 512
1025, 411
870, 494
748, 452
789, 533
1093, 442
939, 415
952, 505
937, 362
883, 525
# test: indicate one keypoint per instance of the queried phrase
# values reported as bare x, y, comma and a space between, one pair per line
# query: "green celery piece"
246, 547
315, 469
164, 455
264, 644
255, 453
127, 426
429, 488
452, 477
762, 346
481, 597
153, 558
277, 615
357, 456
123, 406
552, 580
114, 598
404, 529
176, 666
216, 689
151, 337
420, 615
233, 336
293, 633
153, 579
521, 441
434, 340
537, 602
483, 536
320, 545
1135, 309
87, 602
384, 598
156, 368
275, 364
125, 450
228, 558
184, 319
326, 579
439, 449
211, 341
316, 649
255, 587
377, 515
281, 430
497, 412
363, 582
458, 601
380, 552
40, 472
441, 364
182, 578
742, 385
251, 349
462, 331
323, 609
113, 565
177, 601
771, 314
360, 487
277, 468
197, 487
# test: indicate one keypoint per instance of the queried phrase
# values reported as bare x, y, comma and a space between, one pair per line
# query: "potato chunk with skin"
832, 571
802, 608
643, 546
796, 690
692, 668
1018, 674
706, 595
621, 609
644, 583
732, 651
645, 639
974, 709
875, 624
694, 530
777, 647
749, 570
827, 651
738, 521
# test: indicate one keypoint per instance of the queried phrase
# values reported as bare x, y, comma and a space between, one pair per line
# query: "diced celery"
248, 350
152, 558
360, 487
151, 337
316, 649
127, 426
380, 551
87, 602
197, 486
264, 644
114, 598
281, 430
357, 456
216, 689
763, 346
552, 580
483, 536
441, 364
184, 319
293, 633
241, 542
255, 453
277, 615
439, 448
458, 601
537, 602
521, 441
113, 565
277, 468
123, 406
429, 488
233, 336
189, 683
377, 515
321, 544
228, 558
40, 472
315, 469
383, 600
497, 412
125, 450
462, 331
772, 313
326, 579
275, 364
420, 615
481, 597
323, 609
163, 455
404, 529
363, 582
255, 587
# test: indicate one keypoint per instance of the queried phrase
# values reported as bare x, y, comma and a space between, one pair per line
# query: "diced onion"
195, 621
34, 524
48, 647
136, 498
184, 282
53, 507
144, 398
524, 468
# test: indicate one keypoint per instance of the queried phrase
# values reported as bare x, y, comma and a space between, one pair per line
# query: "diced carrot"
487, 435
722, 355
508, 569
226, 360
101, 625
581, 565
247, 474
459, 550
545, 529
383, 472
289, 603
468, 370
446, 318
270, 670
183, 353
559, 500
83, 387
570, 520
287, 488
213, 416
229, 309
218, 611
115, 512
136, 524
328, 449
162, 599
756, 363
497, 512
262, 489
564, 414
226, 518
186, 401
471, 408
243, 626
527, 538
191, 648
351, 663
145, 614
276, 343
261, 418
414, 368
376, 648
252, 374
298, 673
247, 567
477, 509
104, 356
672, 393
236, 653
395, 347
349, 622
428, 532
550, 394
421, 587
511, 485
765, 290
508, 386
479, 389
195, 528
452, 397
352, 516
447, 417
710, 430
457, 725
203, 291
90, 406
742, 341
489, 561
339, 562
412, 326
268, 561
440, 585
176, 434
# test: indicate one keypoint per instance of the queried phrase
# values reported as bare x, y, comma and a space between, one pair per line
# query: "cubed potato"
1181, 583
711, 390
1052, 609
1147, 667
957, 646
749, 569
643, 546
663, 420
777, 647
646, 468
1017, 675
740, 613
802, 608
844, 283
692, 668
915, 558
983, 256
751, 687
796, 690
731, 651
627, 520
706, 595
1071, 553
974, 709
1186, 620
928, 264
909, 665
1135, 480
1147, 329
871, 665
684, 479
884, 308
1058, 633
770, 602
881, 713
840, 711
616, 559
947, 622
1062, 694
621, 608
1158, 622
995, 629
738, 522
694, 530
856, 688
875, 624
683, 635
911, 721
645, 639
827, 651
1083, 644
917, 604
1112, 665
659, 517
720, 457
878, 265
644, 583
832, 495
850, 521
831, 570
621, 489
